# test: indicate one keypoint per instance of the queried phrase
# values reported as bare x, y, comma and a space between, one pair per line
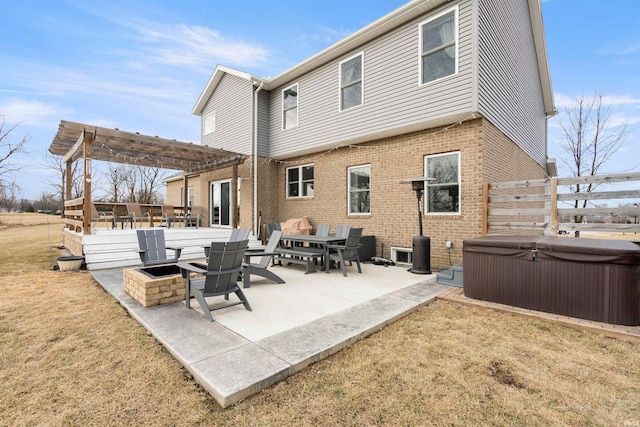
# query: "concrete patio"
292, 325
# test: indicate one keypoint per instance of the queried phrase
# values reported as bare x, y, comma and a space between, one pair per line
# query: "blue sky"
140, 66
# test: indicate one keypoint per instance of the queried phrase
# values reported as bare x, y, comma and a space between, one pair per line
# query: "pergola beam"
114, 145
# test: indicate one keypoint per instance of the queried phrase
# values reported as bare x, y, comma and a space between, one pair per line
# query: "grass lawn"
71, 355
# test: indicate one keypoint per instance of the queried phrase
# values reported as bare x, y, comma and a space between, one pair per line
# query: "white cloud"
629, 49
197, 46
32, 113
564, 101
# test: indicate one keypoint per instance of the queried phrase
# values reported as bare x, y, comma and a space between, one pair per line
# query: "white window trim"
394, 255
204, 123
340, 109
297, 106
426, 189
349, 191
455, 10
286, 179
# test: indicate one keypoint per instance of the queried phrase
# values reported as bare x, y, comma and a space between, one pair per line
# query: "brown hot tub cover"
593, 279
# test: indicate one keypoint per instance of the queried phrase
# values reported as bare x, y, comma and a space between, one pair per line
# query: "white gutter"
255, 160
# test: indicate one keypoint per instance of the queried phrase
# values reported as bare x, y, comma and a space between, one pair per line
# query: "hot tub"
592, 279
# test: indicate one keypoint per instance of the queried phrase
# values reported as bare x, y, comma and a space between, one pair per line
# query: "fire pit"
154, 285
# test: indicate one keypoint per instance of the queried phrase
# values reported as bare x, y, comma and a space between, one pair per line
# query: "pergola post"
87, 138
67, 184
234, 197
185, 195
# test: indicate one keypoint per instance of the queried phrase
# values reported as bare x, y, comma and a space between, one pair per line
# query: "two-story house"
458, 91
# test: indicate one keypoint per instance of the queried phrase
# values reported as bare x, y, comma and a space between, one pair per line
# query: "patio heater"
421, 253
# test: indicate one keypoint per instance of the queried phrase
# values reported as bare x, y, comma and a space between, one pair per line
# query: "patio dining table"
323, 241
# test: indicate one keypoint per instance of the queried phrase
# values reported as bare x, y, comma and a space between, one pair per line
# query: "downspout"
256, 232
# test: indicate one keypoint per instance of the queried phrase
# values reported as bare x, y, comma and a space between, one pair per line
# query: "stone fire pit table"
156, 285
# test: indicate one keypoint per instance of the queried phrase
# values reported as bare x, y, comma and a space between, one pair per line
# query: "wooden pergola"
77, 140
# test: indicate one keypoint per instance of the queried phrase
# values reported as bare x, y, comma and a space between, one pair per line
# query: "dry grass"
70, 355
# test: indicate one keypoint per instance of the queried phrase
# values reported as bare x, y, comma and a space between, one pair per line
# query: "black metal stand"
421, 253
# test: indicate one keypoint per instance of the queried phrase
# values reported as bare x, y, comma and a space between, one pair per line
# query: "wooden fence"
76, 220
547, 206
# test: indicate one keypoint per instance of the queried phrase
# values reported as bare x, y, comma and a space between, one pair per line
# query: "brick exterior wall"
485, 155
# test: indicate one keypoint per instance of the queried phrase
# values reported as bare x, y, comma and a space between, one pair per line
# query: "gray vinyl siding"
394, 101
232, 100
509, 87
263, 123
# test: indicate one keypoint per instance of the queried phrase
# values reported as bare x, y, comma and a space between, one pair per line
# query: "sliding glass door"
220, 199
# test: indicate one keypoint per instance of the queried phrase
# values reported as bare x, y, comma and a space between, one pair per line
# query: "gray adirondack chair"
346, 252
275, 226
237, 234
153, 248
261, 266
343, 231
321, 230
219, 278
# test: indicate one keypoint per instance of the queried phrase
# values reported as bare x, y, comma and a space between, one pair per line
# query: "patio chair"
135, 214
260, 267
346, 252
237, 234
169, 216
271, 228
153, 249
218, 279
343, 231
192, 218
96, 217
321, 230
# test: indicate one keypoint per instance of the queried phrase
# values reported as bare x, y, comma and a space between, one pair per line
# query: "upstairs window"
300, 181
443, 194
351, 82
290, 107
360, 190
439, 46
209, 123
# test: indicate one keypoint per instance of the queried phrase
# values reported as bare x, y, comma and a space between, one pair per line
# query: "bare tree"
9, 195
116, 178
58, 185
8, 149
133, 183
590, 140
149, 183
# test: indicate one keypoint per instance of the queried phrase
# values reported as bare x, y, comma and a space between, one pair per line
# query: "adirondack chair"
218, 279
275, 226
343, 230
321, 230
346, 252
135, 214
261, 266
153, 249
237, 234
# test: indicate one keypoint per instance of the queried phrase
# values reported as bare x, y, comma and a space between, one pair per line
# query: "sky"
141, 66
